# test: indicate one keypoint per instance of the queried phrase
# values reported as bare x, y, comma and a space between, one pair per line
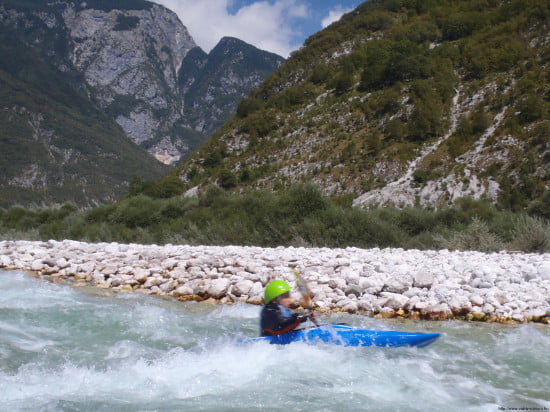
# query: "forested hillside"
401, 102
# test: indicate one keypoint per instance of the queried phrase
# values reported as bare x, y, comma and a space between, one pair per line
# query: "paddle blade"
304, 290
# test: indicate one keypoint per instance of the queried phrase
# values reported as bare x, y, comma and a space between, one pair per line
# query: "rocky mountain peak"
126, 69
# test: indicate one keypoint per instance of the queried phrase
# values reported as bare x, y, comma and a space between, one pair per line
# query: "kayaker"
276, 317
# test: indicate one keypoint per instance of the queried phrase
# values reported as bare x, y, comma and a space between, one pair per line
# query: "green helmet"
274, 289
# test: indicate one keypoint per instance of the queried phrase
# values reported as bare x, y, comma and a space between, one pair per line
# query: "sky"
278, 26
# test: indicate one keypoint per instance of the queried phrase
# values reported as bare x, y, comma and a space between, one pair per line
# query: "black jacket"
275, 319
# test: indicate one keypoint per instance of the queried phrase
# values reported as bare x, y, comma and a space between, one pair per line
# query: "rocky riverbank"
505, 287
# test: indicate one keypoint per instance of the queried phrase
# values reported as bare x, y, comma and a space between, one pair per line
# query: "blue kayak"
349, 336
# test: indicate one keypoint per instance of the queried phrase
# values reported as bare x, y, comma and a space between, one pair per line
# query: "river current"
84, 349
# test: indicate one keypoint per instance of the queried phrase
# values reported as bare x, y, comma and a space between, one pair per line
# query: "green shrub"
342, 82
415, 220
476, 236
321, 74
531, 234
459, 25
258, 124
138, 211
425, 121
227, 179
302, 200
165, 188
376, 231
291, 97
13, 217
214, 156
100, 213
300, 216
532, 108
541, 206
211, 196
176, 207
248, 106
421, 176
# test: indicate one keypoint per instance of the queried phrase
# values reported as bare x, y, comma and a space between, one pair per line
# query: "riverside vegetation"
298, 216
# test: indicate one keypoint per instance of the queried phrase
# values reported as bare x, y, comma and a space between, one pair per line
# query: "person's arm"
275, 323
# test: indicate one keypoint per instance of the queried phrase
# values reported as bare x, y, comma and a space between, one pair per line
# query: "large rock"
398, 284
242, 287
394, 300
423, 279
218, 288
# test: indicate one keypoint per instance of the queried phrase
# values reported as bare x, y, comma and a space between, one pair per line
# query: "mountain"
214, 84
92, 92
56, 144
401, 102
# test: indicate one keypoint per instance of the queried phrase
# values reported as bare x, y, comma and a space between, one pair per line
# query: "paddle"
305, 291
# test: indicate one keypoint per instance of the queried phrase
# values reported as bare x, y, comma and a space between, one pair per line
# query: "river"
86, 349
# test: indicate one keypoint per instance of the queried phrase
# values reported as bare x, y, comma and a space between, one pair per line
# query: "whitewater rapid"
89, 349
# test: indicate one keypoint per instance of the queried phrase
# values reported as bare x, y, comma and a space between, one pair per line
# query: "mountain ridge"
95, 79
400, 103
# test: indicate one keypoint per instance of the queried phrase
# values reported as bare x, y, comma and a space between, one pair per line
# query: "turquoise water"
80, 349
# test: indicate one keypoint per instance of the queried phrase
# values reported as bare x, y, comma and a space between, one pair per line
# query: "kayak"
349, 336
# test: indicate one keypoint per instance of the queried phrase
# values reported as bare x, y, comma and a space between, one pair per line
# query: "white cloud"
266, 25
334, 15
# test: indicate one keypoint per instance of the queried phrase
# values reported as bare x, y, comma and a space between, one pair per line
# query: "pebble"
437, 285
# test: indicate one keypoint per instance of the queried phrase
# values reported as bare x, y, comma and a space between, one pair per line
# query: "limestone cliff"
88, 88
130, 59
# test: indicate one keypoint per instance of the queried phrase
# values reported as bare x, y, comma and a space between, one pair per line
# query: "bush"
375, 230
258, 124
531, 234
299, 216
468, 208
165, 188
211, 196
227, 179
139, 211
321, 74
425, 121
13, 217
541, 206
342, 82
100, 213
248, 106
460, 25
177, 207
414, 220
302, 200
476, 236
421, 176
531, 109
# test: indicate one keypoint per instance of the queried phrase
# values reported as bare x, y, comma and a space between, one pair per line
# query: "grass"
299, 216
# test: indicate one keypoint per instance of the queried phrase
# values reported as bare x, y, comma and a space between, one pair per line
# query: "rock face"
219, 80
387, 283
134, 61
82, 82
131, 59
